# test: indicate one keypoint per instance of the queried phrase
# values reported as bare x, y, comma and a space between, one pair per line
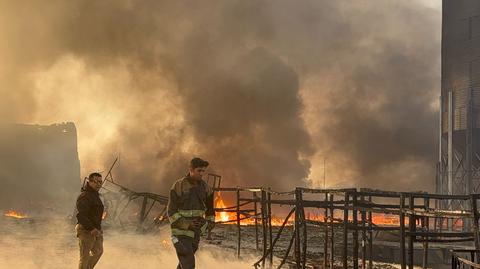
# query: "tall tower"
459, 143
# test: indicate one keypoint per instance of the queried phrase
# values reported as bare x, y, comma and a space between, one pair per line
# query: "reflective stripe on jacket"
189, 199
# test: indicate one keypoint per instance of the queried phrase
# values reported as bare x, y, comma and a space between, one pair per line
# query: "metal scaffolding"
348, 213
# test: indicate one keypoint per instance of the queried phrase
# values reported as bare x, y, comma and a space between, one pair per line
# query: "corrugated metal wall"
461, 61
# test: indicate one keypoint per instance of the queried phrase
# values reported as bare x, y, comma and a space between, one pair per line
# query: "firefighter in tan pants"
191, 212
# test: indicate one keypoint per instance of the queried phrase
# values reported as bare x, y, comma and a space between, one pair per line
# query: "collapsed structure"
331, 228
118, 198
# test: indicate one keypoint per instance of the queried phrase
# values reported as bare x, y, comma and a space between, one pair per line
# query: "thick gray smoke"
262, 89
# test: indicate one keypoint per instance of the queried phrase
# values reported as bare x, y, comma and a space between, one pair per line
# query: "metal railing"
460, 261
349, 213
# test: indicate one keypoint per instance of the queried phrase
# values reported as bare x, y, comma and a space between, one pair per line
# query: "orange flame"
104, 215
232, 216
14, 214
383, 219
377, 218
276, 221
223, 216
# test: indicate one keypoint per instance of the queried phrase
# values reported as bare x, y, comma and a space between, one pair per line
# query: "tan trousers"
91, 248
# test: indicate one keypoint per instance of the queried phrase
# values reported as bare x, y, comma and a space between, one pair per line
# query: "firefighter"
190, 211
89, 222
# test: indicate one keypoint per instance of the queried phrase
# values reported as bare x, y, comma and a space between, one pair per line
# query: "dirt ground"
52, 245
29, 244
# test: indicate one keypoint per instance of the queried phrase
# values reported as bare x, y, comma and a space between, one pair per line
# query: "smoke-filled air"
264, 90
274, 93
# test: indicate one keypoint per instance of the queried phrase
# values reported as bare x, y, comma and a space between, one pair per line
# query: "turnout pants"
186, 247
91, 248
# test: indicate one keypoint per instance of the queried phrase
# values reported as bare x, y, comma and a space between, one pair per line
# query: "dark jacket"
189, 198
90, 209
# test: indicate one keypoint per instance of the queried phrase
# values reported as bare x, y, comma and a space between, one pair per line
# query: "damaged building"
39, 166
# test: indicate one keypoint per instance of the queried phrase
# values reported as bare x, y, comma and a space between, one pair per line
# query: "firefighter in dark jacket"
190, 211
89, 222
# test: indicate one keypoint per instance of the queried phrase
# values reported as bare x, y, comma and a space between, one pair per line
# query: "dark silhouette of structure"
459, 134
39, 166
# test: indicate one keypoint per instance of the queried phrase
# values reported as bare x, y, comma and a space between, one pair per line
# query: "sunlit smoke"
264, 90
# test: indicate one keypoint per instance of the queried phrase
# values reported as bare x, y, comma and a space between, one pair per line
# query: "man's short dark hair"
94, 175
197, 162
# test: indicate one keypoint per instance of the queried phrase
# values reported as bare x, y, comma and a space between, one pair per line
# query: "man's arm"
210, 212
210, 208
83, 207
176, 220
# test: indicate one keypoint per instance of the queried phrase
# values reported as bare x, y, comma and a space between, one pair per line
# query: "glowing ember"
314, 216
104, 215
276, 221
14, 214
381, 219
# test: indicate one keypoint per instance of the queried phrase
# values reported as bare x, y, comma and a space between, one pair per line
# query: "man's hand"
95, 232
195, 225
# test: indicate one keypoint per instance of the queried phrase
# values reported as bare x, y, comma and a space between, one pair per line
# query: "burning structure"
39, 166
277, 62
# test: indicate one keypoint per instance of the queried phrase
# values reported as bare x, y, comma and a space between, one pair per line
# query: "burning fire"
384, 219
14, 214
223, 216
231, 217
104, 215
